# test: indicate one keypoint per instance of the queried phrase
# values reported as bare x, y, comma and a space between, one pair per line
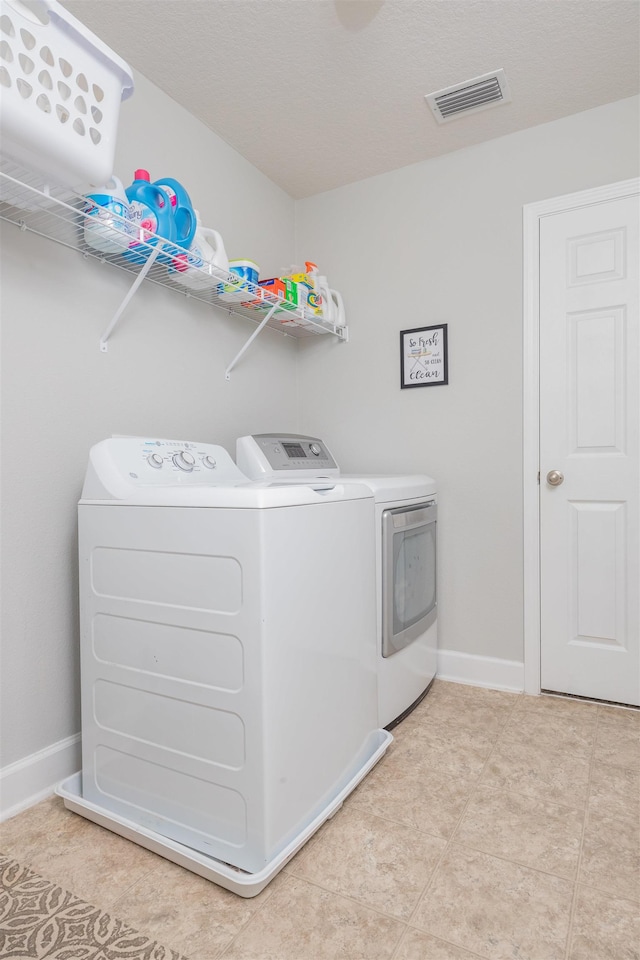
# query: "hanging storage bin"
60, 90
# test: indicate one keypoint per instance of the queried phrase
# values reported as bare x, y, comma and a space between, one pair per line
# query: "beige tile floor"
497, 826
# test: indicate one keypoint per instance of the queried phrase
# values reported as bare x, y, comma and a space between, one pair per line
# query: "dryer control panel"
264, 455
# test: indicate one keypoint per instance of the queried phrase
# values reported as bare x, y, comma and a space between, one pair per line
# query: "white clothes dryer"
228, 669
405, 545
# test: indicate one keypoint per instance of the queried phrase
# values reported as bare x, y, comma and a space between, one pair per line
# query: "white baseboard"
480, 671
27, 781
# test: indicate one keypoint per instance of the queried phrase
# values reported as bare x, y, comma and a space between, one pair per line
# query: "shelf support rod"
136, 283
259, 329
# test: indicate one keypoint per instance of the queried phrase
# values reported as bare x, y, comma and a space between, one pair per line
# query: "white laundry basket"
60, 93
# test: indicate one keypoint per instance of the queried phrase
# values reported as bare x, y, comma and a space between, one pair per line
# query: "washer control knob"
209, 462
315, 449
184, 460
155, 460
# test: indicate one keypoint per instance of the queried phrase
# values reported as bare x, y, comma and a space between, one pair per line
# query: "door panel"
596, 381
598, 593
589, 413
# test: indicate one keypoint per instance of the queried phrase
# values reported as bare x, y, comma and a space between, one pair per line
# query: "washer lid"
248, 496
142, 472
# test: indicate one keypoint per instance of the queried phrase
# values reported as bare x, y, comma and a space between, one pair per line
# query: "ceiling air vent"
471, 96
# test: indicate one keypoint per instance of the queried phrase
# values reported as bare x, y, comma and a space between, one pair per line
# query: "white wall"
163, 375
441, 242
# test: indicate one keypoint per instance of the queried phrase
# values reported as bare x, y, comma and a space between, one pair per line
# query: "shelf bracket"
136, 283
259, 329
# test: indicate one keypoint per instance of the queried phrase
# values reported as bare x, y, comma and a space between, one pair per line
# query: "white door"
589, 415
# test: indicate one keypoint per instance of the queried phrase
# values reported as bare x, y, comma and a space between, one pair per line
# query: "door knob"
555, 478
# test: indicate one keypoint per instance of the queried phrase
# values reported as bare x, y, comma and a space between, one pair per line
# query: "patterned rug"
39, 919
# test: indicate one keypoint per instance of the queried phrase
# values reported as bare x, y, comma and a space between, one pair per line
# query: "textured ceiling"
319, 93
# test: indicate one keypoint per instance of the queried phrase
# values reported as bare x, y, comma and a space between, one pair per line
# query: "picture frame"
424, 360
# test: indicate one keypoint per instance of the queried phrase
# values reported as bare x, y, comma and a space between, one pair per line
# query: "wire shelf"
57, 213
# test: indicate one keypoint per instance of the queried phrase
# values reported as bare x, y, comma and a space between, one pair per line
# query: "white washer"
406, 543
228, 671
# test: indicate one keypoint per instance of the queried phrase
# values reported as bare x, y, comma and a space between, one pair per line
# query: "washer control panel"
264, 455
120, 464
168, 459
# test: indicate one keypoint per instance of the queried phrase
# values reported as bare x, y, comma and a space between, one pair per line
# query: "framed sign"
423, 356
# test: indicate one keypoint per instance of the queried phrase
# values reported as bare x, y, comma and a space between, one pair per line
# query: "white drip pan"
231, 878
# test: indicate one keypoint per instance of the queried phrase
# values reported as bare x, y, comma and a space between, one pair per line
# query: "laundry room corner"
440, 242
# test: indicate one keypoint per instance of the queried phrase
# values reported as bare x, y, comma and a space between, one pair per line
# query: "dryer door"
409, 599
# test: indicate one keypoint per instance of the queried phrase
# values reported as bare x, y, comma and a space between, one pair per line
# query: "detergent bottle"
307, 282
108, 226
244, 275
328, 305
314, 299
184, 215
203, 266
151, 217
338, 315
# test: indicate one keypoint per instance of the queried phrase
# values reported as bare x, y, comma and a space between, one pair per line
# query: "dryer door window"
409, 598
